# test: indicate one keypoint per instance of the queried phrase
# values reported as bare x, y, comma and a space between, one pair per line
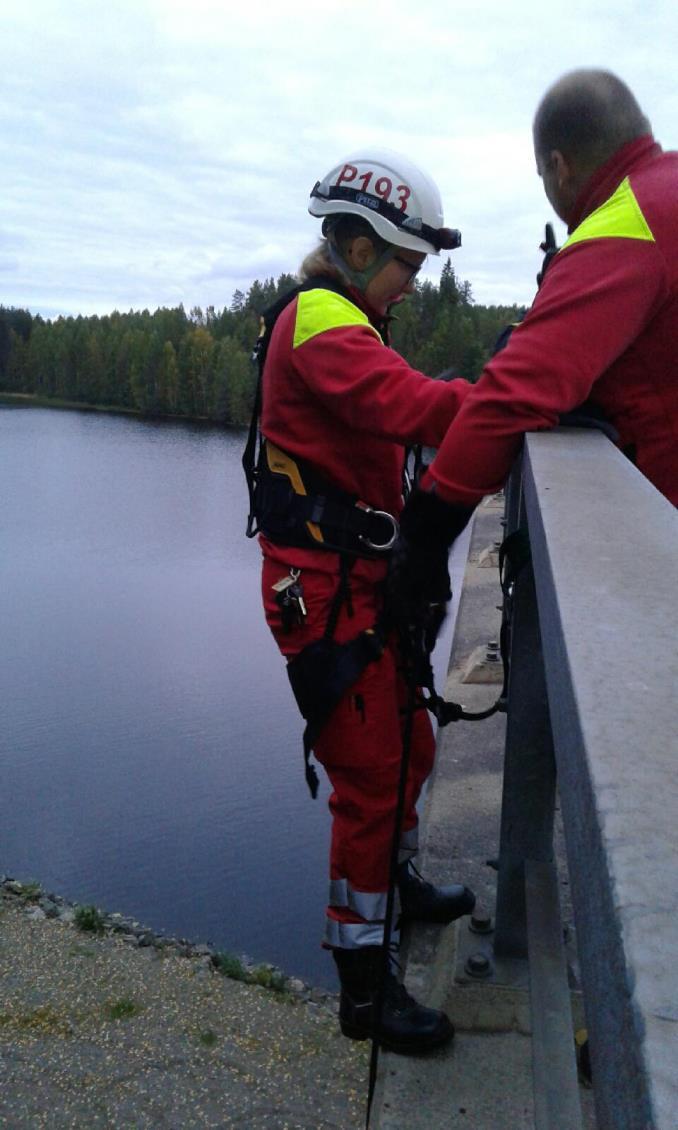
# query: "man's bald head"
587, 115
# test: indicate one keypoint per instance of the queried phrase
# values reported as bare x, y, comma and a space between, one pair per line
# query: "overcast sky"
159, 151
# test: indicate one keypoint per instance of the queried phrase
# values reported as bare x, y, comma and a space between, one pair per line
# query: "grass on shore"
89, 920
231, 966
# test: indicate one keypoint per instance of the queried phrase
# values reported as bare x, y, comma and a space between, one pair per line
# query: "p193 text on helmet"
396, 197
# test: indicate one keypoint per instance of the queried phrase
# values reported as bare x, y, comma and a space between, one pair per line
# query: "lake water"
150, 749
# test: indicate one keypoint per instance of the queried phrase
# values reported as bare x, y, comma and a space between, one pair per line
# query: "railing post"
528, 799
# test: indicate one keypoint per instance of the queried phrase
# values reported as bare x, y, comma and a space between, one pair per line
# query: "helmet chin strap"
360, 279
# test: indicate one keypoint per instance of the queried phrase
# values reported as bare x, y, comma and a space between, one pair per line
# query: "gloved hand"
418, 638
418, 582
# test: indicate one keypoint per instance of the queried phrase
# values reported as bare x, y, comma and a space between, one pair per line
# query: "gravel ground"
95, 1033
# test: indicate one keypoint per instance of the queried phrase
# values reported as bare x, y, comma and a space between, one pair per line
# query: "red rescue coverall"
603, 329
335, 396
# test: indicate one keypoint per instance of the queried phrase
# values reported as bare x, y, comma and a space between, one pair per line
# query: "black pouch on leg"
320, 675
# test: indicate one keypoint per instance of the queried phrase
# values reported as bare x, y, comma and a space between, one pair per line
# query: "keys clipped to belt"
289, 596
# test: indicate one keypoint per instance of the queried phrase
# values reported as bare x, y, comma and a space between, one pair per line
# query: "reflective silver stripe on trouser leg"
409, 844
370, 905
352, 935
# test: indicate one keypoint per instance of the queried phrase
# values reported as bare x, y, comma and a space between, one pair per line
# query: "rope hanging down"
514, 554
393, 869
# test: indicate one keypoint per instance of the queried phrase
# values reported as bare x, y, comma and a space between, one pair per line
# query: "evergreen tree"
41, 361
92, 379
239, 382
168, 363
5, 342
16, 368
142, 393
195, 363
168, 381
448, 289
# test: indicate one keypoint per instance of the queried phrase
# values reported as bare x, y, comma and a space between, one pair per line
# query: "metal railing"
592, 704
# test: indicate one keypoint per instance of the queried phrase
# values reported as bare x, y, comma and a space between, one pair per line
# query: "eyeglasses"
413, 269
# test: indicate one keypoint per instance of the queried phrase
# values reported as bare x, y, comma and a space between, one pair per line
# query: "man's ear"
360, 253
562, 168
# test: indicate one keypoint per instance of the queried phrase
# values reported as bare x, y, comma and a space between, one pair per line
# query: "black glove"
588, 416
418, 582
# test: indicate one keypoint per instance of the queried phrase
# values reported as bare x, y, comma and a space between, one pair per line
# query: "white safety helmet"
394, 195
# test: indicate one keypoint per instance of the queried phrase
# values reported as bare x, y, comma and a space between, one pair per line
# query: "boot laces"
418, 878
397, 995
394, 990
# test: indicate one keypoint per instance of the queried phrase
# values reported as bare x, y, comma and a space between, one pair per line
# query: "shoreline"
39, 905
120, 1027
34, 400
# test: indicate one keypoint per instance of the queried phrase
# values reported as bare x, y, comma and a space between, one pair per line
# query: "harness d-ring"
380, 547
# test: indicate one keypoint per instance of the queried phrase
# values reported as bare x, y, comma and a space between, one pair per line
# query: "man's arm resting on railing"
570, 337
596, 299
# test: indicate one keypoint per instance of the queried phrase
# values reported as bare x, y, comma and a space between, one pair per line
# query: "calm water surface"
150, 751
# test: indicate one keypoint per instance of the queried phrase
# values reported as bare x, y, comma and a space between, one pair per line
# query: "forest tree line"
198, 365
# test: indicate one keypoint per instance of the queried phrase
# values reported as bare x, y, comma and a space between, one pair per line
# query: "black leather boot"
423, 902
405, 1026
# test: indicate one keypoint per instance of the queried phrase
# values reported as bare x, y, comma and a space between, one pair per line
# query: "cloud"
160, 151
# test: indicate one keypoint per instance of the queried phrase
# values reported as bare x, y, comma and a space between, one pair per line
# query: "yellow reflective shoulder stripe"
319, 310
619, 216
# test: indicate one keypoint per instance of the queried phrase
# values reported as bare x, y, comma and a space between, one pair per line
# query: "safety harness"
291, 503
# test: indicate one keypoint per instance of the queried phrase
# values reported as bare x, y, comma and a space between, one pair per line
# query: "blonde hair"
318, 262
